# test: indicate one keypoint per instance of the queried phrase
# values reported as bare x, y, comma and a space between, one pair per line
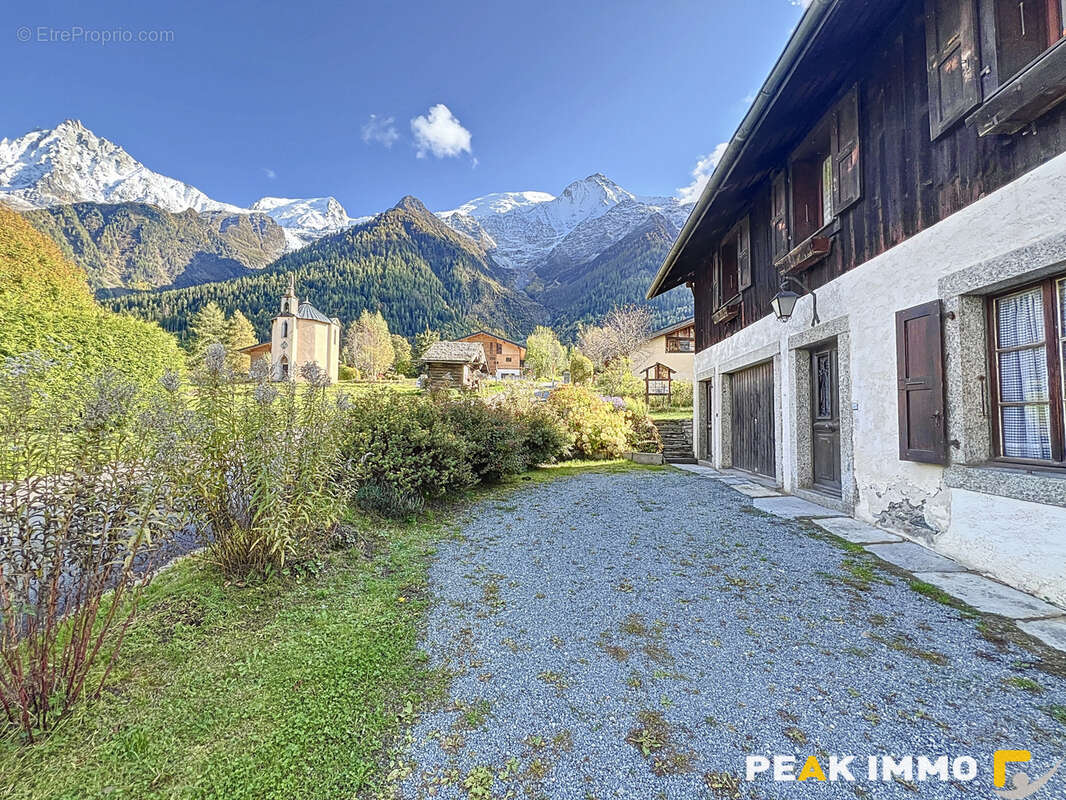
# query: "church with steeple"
299, 334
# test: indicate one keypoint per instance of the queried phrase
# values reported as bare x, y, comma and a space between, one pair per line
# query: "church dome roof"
308, 311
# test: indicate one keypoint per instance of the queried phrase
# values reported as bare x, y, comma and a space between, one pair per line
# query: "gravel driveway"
637, 634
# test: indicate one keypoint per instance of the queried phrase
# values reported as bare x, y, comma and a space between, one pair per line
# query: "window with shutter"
847, 175
1028, 329
779, 216
920, 376
952, 55
743, 254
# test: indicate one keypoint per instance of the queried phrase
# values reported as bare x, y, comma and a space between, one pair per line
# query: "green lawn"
292, 689
669, 413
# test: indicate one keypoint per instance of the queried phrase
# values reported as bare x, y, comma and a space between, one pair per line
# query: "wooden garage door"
753, 419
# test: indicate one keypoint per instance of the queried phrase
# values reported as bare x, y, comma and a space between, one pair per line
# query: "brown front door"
752, 420
708, 420
825, 419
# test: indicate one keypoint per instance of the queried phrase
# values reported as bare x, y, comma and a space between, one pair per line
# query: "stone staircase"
677, 440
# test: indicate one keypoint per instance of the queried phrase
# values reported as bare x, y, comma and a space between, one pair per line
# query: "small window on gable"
733, 263
284, 329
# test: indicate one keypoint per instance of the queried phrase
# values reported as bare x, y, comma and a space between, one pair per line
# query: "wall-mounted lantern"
784, 302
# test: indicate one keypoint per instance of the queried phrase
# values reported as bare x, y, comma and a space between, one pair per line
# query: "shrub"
681, 394
618, 380
644, 436
82, 516
494, 437
546, 439
580, 368
596, 429
257, 469
403, 442
346, 373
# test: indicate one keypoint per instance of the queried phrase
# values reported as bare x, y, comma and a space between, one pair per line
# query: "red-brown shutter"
847, 172
744, 254
920, 374
953, 61
779, 216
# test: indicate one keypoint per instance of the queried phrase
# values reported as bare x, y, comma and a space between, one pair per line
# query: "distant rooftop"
308, 311
454, 352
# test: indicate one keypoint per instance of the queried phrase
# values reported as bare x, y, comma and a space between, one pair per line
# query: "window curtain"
1023, 379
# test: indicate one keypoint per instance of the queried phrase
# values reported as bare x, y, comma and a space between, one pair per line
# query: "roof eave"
806, 30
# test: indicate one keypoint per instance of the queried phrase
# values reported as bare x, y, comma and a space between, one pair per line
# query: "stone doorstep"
990, 596
755, 490
914, 558
792, 507
1051, 632
855, 531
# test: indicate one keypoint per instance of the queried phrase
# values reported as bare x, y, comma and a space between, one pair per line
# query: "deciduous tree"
545, 354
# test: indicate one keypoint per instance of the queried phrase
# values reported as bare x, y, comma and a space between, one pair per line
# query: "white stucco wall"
1024, 548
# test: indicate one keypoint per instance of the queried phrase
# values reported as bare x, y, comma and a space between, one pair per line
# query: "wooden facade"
502, 355
907, 179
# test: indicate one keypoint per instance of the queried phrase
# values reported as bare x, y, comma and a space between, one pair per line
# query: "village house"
671, 347
299, 334
878, 266
454, 365
504, 358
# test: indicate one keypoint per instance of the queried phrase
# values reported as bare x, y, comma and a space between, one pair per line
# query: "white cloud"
269, 173
380, 130
439, 132
701, 173
804, 4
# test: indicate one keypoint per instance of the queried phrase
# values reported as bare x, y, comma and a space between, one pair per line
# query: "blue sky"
372, 101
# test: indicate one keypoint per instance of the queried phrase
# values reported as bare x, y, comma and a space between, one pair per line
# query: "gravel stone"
637, 634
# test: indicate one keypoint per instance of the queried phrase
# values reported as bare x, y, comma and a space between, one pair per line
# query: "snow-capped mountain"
70, 164
523, 230
306, 220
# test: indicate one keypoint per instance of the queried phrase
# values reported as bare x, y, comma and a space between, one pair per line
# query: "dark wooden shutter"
716, 281
920, 374
953, 61
779, 216
744, 254
847, 171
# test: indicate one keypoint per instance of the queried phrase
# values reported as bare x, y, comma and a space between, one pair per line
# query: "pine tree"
208, 326
422, 344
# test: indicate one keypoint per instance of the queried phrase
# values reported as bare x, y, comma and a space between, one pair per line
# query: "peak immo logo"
907, 768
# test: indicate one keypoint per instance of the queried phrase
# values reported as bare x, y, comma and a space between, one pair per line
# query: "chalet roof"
308, 311
818, 64
494, 336
685, 323
265, 346
454, 353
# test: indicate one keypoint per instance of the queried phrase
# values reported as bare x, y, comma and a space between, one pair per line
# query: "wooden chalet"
504, 358
878, 265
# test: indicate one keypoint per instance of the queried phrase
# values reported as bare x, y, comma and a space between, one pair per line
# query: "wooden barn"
454, 365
